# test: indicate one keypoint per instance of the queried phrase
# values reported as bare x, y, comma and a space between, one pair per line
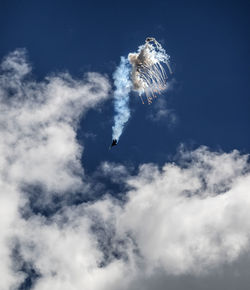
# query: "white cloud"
38, 124
190, 219
114, 171
173, 219
185, 218
9, 203
38, 146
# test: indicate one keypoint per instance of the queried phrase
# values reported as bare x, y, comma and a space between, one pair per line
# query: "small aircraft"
114, 142
149, 39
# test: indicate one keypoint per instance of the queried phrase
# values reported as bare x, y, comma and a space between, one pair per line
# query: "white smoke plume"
148, 75
121, 103
143, 72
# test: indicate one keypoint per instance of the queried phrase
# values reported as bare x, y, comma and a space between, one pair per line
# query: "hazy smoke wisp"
123, 87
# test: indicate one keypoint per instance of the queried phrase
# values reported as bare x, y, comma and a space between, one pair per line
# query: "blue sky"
209, 47
56, 131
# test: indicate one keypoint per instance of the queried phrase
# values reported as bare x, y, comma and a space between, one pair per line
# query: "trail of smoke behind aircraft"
143, 72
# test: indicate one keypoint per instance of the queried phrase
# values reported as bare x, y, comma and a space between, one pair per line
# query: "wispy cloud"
161, 111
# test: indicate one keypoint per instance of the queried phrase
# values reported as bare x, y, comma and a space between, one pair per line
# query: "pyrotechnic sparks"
143, 72
148, 75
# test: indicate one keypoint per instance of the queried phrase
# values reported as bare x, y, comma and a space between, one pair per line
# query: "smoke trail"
121, 95
141, 71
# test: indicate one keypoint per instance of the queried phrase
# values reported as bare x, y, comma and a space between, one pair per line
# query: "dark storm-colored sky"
208, 42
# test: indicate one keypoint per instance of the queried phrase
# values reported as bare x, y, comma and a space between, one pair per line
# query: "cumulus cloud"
185, 218
179, 219
38, 124
193, 218
38, 147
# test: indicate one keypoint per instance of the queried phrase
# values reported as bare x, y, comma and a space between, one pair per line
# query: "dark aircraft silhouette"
114, 142
148, 39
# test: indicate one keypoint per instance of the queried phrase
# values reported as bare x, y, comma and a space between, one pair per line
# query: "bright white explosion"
148, 74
